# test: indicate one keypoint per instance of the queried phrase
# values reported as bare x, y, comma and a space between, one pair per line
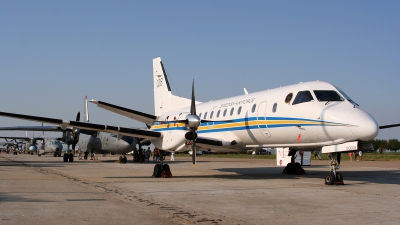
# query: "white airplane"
87, 140
306, 116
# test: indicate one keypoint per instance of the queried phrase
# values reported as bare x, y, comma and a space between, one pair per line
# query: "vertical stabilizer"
164, 100
162, 90
85, 110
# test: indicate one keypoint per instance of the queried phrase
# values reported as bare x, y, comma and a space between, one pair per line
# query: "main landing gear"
68, 157
161, 169
293, 167
334, 177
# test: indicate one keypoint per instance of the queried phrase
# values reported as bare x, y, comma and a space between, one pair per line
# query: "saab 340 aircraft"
306, 116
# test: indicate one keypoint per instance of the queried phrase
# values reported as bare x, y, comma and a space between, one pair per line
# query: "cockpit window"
328, 96
303, 96
347, 97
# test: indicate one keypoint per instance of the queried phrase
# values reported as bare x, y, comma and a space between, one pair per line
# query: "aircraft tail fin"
85, 110
164, 100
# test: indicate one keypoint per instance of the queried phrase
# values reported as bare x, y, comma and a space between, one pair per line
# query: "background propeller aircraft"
46, 146
307, 116
87, 140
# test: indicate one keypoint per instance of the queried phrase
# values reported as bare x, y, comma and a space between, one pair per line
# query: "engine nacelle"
171, 141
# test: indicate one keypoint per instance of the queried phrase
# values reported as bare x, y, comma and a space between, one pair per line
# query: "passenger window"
218, 112
233, 109
329, 95
211, 115
225, 112
274, 107
253, 109
288, 98
205, 115
239, 110
303, 96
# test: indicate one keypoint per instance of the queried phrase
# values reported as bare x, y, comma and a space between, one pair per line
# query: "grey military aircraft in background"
87, 140
39, 145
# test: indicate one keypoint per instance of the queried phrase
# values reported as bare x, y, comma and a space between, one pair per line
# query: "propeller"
193, 122
76, 131
72, 137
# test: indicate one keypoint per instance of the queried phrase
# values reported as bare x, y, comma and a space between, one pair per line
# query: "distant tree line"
380, 144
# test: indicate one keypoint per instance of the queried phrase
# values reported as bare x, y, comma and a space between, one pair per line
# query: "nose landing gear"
334, 177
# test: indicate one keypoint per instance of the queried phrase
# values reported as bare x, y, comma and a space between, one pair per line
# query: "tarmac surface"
45, 190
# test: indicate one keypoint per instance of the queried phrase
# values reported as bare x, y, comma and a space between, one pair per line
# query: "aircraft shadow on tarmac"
363, 176
270, 173
14, 198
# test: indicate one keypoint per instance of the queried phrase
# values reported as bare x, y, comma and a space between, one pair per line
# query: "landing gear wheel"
166, 167
339, 177
71, 157
290, 168
157, 170
65, 157
329, 179
55, 155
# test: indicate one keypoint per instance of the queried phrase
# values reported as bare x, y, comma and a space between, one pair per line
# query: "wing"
34, 128
64, 124
133, 114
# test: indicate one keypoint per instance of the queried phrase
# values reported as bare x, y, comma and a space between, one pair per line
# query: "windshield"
347, 97
327, 95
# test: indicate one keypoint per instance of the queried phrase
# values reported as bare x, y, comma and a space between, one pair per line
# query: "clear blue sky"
53, 53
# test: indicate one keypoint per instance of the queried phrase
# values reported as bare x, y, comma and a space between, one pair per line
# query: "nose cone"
364, 125
125, 143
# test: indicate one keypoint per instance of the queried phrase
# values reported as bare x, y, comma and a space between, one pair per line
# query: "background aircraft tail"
164, 100
85, 110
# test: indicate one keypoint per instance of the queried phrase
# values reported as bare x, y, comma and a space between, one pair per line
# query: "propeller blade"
78, 116
193, 105
194, 149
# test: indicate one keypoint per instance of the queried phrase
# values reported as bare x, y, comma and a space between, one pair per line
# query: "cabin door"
262, 119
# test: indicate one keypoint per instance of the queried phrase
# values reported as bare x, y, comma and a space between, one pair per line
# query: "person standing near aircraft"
79, 153
140, 155
172, 156
147, 154
135, 155
360, 154
155, 155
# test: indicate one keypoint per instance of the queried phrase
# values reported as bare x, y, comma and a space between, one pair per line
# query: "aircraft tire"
157, 170
166, 167
290, 168
329, 179
55, 155
65, 157
339, 177
71, 157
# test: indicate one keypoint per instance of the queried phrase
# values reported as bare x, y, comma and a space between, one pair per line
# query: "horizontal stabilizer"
389, 126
